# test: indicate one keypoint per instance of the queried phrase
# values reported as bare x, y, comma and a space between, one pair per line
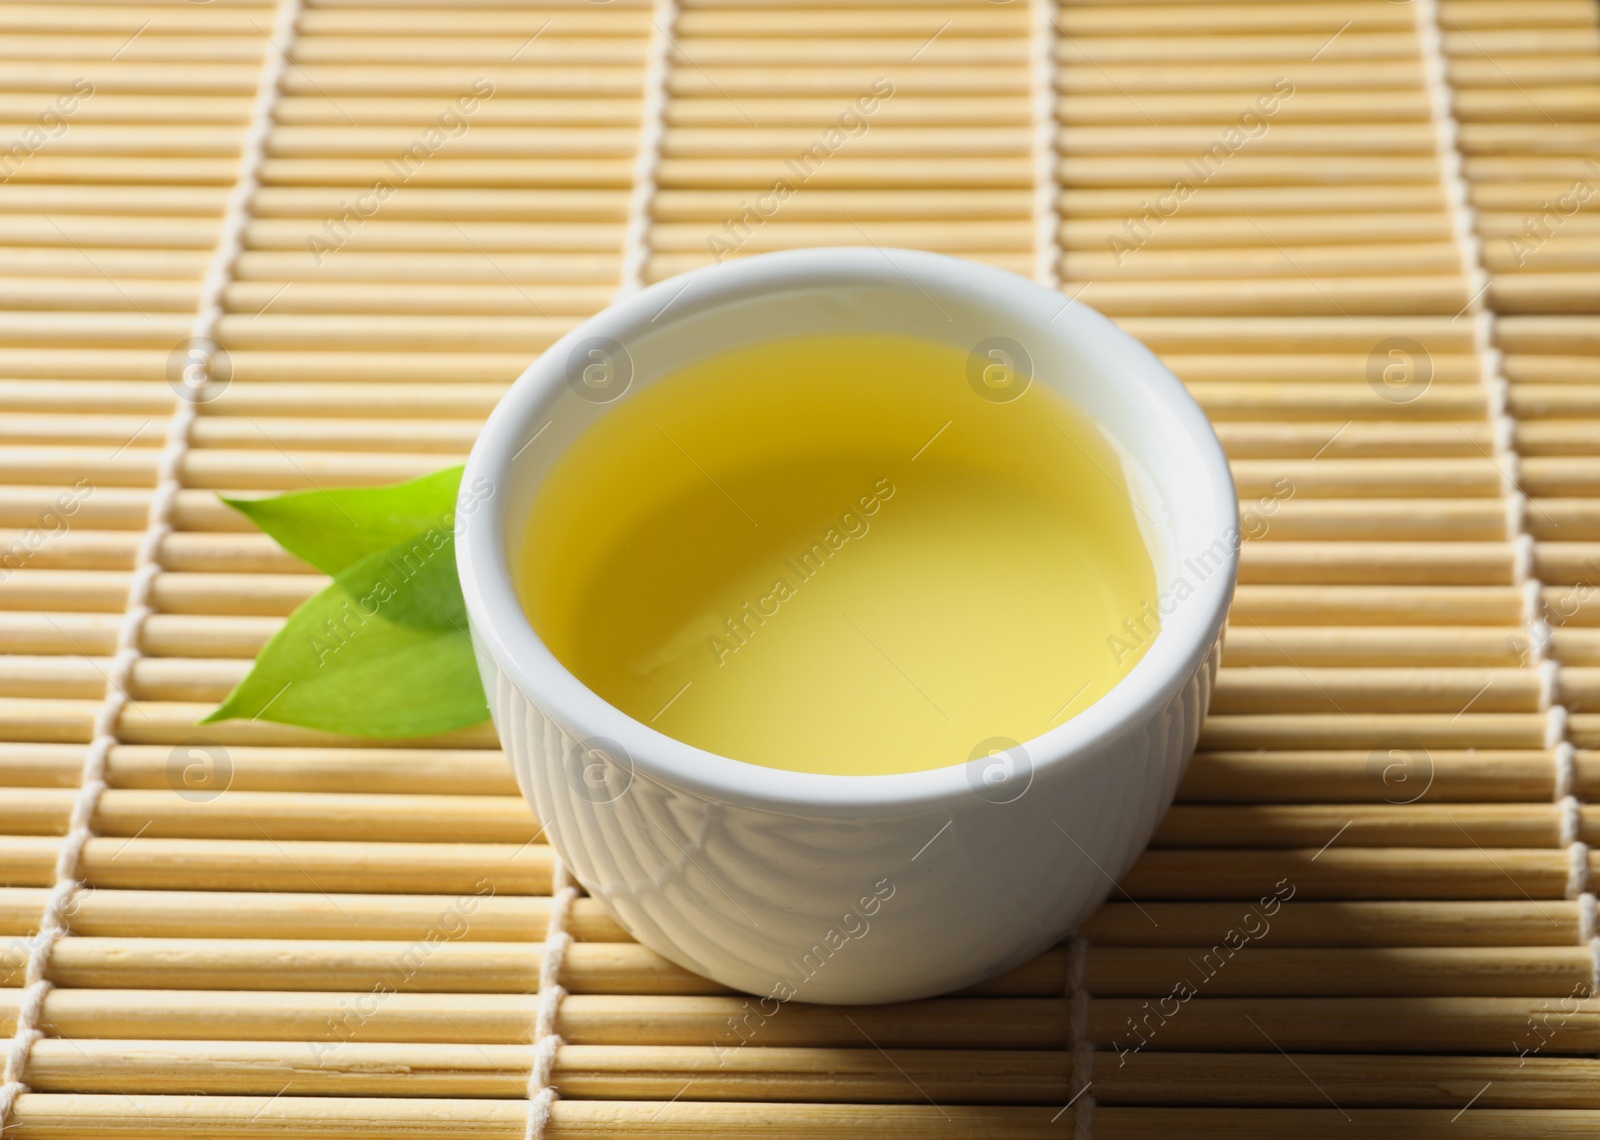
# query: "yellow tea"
833, 555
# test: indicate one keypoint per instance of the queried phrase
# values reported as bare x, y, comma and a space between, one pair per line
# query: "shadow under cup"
802, 886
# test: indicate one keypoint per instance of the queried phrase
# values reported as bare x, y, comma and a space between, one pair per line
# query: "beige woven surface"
305, 936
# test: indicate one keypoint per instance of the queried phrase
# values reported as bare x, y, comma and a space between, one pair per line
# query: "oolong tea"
835, 555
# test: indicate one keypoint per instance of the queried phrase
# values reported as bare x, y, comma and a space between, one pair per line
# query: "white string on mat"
1046, 221
1463, 219
541, 1095
652, 129
56, 916
1079, 1043
635, 258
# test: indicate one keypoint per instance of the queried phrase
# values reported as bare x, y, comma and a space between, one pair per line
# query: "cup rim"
502, 632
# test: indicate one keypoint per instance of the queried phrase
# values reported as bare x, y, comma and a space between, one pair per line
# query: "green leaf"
334, 529
383, 651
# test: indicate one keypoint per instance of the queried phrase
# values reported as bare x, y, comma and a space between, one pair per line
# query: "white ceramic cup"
825, 888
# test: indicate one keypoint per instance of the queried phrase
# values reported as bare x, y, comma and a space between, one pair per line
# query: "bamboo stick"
1217, 19
284, 399
337, 50
1546, 292
1319, 1123
358, 264
255, 433
68, 1117
1562, 475
1293, 334
173, 722
287, 865
115, 550
1370, 520
1155, 262
525, 334
1439, 1024
827, 205
373, 771
1252, 200
1410, 825
766, 1073
214, 468
1250, 645
98, 295
1283, 139
466, 299
951, 52
1281, 297
1349, 563
382, 232
341, 768
663, 266
653, 1072
44, 261
885, 140
949, 236
1350, 1081
1550, 401
203, 201
501, 20
1355, 873
1560, 437
1398, 775
1370, 1024
1266, 562
846, 172
1557, 334
1145, 49
434, 965
1248, 76
1265, 604
598, 1019
923, 109
1576, 646
170, 813
101, 912
553, 172
1551, 369
755, 1074
1247, 169
100, 591
1567, 563
503, 110
1208, 107
438, 966
1227, 733
877, 23
1327, 924
1205, 232
40, 765
1283, 687
106, 591
840, 78
1274, 605
1331, 477
1259, 970
1403, 775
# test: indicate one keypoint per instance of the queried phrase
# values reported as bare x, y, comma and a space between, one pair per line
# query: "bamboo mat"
1381, 282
